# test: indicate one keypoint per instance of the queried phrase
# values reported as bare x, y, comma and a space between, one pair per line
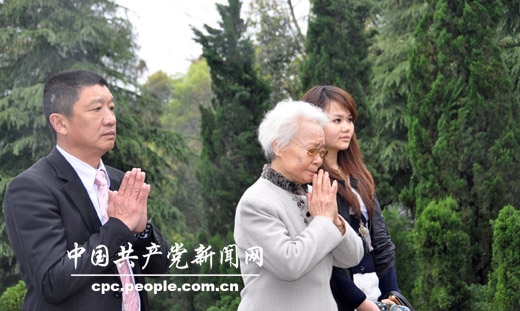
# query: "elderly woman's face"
294, 161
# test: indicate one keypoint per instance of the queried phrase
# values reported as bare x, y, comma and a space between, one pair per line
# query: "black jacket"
384, 248
382, 258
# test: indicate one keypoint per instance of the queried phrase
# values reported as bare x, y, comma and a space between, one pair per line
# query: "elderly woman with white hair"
299, 232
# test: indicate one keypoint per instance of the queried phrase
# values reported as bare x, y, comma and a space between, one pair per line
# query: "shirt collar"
85, 172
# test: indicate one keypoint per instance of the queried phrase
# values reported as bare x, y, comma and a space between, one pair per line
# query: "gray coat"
297, 258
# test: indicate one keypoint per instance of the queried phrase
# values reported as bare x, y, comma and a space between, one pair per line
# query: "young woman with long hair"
375, 275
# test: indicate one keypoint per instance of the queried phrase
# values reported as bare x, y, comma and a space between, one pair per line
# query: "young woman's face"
340, 129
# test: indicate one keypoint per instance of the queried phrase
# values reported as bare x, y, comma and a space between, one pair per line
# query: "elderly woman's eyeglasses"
313, 151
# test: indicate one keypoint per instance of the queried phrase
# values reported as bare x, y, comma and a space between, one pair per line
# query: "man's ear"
60, 123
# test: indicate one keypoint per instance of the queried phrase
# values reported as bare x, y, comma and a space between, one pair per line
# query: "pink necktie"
130, 299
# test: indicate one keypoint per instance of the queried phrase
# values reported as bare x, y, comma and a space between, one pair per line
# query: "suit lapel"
75, 190
114, 183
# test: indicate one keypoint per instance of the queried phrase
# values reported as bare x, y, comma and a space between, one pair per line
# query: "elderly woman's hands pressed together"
322, 199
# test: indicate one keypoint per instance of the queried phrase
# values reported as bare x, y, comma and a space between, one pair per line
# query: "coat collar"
75, 190
279, 180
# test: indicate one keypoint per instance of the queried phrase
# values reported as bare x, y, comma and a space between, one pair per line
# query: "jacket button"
117, 294
361, 268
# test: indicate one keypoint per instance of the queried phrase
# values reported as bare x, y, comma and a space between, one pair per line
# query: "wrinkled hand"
322, 200
129, 204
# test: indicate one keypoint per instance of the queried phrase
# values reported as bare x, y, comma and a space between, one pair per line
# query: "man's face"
92, 127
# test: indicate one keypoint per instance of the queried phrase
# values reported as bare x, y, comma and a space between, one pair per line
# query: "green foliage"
511, 57
504, 280
179, 300
511, 20
279, 47
205, 299
219, 300
510, 48
226, 303
158, 91
190, 91
230, 159
463, 137
479, 300
385, 152
181, 114
39, 37
400, 227
160, 86
441, 247
12, 298
337, 51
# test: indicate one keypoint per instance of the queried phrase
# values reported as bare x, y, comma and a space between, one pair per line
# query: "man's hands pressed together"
129, 204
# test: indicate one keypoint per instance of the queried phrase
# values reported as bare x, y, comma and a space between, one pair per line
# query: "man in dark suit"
59, 207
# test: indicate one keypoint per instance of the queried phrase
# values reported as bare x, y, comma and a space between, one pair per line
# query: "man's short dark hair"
61, 91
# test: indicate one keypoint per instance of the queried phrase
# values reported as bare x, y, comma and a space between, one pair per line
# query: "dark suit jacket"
47, 210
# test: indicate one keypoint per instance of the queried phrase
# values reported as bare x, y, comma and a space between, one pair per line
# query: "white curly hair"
282, 122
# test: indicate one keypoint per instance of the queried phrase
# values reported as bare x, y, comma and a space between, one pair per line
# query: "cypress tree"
13, 297
510, 50
337, 49
441, 245
386, 151
231, 158
504, 281
462, 131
